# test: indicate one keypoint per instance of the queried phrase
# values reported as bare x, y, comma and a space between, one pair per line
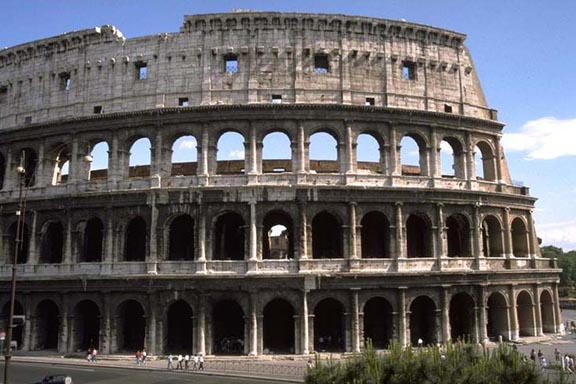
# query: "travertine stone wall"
95, 70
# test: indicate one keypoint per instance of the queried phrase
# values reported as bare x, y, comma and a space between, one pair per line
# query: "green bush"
453, 364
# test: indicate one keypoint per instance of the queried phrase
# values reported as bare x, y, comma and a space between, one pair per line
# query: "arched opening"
60, 155
130, 326
231, 154
17, 331
93, 237
452, 159
2, 170
485, 161
547, 312
52, 244
276, 153
375, 235
184, 156
140, 158
86, 326
323, 153
519, 238
368, 154
229, 237
462, 324
458, 236
326, 236
47, 325
277, 236
29, 160
181, 238
525, 312
418, 237
497, 317
413, 157
378, 322
179, 337
228, 328
136, 236
423, 321
278, 327
21, 247
492, 237
99, 163
329, 335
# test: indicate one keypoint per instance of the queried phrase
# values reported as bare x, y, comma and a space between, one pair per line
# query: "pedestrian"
540, 354
170, 359
195, 362
420, 342
89, 355
186, 361
200, 362
94, 353
180, 360
144, 356
533, 356
138, 357
556, 355
309, 364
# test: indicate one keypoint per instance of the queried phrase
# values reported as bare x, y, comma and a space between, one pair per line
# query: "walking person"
180, 360
170, 359
138, 357
200, 362
194, 362
94, 353
144, 355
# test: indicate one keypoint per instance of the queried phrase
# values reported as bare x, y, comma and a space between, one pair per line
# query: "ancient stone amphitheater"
263, 255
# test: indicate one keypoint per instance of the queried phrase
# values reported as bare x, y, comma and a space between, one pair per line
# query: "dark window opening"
179, 328
326, 237
497, 317
52, 244
547, 311
135, 248
378, 322
370, 101
93, 237
447, 108
525, 314
423, 321
417, 237
28, 120
329, 326
458, 232
276, 99
491, 237
231, 63
183, 102
462, 318
3, 94
228, 328
47, 326
98, 109
141, 71
279, 327
229, 237
182, 238
519, 238
86, 326
408, 70
375, 236
321, 63
65, 81
130, 327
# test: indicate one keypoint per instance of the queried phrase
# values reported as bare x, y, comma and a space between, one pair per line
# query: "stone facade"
177, 256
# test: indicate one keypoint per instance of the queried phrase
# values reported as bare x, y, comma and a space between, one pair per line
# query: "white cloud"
236, 154
187, 144
558, 234
543, 139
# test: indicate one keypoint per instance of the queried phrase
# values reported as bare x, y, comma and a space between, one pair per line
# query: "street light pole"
18, 244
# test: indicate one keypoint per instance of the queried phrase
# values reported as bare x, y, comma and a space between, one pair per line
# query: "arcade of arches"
298, 322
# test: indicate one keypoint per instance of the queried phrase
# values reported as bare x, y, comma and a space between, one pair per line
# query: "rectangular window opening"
183, 102
447, 108
276, 99
370, 101
141, 71
65, 81
98, 110
408, 70
3, 94
28, 120
231, 63
321, 63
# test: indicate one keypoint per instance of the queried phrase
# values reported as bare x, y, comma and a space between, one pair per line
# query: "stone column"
201, 258
399, 238
66, 321
355, 321
202, 150
201, 336
476, 238
253, 319
300, 152
441, 242
445, 314
152, 262
533, 247
152, 346
115, 161
108, 256
482, 321
395, 147
305, 325
538, 312
353, 226
498, 159
252, 151
303, 231
161, 157
556, 306
106, 342
33, 249
402, 326
67, 254
513, 311
349, 159
470, 159
508, 247
29, 333
253, 245
435, 165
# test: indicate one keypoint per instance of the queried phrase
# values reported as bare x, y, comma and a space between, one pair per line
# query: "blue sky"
524, 52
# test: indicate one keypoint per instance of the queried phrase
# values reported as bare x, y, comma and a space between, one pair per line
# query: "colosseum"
264, 253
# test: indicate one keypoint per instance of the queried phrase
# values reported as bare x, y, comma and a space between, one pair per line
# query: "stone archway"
378, 322
278, 327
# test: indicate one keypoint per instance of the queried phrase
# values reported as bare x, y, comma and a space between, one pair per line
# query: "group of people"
566, 361
183, 362
141, 356
91, 355
541, 359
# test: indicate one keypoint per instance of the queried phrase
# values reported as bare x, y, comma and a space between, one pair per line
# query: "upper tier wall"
300, 58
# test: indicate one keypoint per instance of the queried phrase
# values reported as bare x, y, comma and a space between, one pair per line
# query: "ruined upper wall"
298, 58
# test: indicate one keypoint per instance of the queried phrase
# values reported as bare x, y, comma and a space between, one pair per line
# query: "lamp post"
17, 245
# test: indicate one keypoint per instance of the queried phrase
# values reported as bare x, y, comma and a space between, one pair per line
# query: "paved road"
27, 373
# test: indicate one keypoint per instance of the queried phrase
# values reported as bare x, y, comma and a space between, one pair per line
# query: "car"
56, 379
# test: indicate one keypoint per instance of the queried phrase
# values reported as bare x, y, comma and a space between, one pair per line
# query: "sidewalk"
289, 371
